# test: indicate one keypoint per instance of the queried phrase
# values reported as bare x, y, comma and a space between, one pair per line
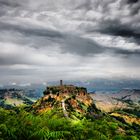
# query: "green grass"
23, 125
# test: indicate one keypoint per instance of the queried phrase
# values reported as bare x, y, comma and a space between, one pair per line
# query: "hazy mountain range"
91, 85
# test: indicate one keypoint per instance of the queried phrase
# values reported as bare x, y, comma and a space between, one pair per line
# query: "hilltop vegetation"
64, 112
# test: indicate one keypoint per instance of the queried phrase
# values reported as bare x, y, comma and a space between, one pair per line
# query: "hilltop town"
68, 98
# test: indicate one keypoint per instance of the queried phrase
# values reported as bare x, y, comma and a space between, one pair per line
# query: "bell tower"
61, 82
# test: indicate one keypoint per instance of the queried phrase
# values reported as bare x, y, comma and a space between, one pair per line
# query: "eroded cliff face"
68, 98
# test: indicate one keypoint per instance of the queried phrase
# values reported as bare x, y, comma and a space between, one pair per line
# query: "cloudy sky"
48, 40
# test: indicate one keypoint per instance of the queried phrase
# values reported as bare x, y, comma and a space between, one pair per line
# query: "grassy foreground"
20, 124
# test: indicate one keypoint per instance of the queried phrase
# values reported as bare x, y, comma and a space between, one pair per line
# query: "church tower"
61, 82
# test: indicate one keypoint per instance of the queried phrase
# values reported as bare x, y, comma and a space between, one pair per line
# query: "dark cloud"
116, 18
29, 30
67, 43
81, 46
127, 52
132, 1
84, 46
87, 5
134, 7
7, 6
9, 3
116, 28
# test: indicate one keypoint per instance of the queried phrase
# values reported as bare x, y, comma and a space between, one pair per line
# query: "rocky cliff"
69, 99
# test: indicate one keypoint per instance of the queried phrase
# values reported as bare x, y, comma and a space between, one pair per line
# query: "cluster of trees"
20, 124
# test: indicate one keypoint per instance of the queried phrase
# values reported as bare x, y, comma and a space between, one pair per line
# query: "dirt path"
64, 109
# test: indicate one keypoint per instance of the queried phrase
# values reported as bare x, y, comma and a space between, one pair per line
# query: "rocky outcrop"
67, 98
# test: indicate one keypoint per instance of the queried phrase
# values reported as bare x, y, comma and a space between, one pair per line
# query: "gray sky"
48, 40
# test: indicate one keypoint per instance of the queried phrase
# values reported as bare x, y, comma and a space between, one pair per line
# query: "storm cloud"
68, 39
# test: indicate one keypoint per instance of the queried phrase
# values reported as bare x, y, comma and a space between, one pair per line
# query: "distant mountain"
126, 98
30, 90
104, 85
13, 97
